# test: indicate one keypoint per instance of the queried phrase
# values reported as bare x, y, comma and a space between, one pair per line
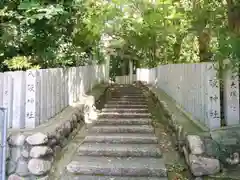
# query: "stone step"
120, 121
127, 102
122, 138
122, 129
123, 110
129, 99
127, 91
133, 96
119, 150
118, 166
124, 115
117, 94
132, 106
68, 176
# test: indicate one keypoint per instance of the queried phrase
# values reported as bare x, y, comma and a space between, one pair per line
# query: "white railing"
32, 97
126, 79
196, 89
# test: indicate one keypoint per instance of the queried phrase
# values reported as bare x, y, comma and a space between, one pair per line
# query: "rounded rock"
11, 167
75, 117
57, 150
40, 151
43, 178
67, 128
15, 153
22, 167
25, 153
16, 177
17, 140
37, 139
203, 166
39, 166
52, 142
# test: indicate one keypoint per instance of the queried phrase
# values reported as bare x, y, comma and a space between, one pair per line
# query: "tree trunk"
204, 36
204, 40
234, 16
177, 48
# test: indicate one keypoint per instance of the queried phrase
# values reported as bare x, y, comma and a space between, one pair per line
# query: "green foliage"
170, 31
52, 33
67, 33
20, 63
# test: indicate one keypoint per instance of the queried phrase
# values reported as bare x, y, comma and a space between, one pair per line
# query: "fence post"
212, 97
70, 85
1, 88
231, 98
54, 91
44, 95
62, 88
49, 93
65, 75
3, 111
32, 99
8, 96
19, 90
58, 86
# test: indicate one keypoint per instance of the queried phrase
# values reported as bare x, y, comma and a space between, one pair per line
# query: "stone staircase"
121, 145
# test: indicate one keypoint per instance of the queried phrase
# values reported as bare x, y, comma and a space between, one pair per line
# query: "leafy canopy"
65, 33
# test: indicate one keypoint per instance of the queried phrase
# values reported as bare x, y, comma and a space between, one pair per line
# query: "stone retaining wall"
199, 151
31, 154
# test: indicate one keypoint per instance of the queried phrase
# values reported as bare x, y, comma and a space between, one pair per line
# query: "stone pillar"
231, 98
107, 67
212, 97
32, 99
131, 71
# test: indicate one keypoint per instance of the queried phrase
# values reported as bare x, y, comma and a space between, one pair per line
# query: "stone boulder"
37, 139
201, 166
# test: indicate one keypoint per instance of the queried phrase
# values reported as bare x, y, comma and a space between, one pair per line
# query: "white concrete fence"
196, 89
126, 79
32, 97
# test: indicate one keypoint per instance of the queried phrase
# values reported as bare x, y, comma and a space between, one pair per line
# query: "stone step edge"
109, 166
121, 138
122, 128
68, 176
119, 150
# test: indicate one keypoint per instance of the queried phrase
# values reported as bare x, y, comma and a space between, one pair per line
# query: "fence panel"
193, 86
126, 79
32, 97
